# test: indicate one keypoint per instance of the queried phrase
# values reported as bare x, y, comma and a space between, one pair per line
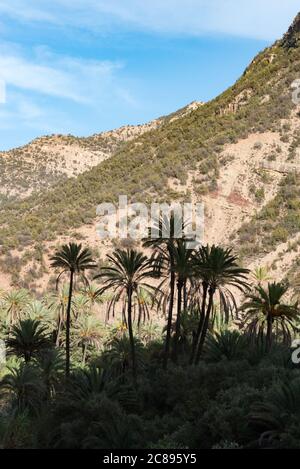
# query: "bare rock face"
292, 37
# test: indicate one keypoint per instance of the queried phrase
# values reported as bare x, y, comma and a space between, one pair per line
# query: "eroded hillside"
238, 154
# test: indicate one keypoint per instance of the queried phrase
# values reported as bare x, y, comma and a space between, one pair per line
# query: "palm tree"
72, 259
183, 270
149, 333
274, 417
126, 277
90, 292
86, 384
265, 308
57, 304
37, 310
117, 357
81, 306
28, 338
14, 304
218, 271
89, 332
261, 275
188, 323
162, 238
51, 365
24, 385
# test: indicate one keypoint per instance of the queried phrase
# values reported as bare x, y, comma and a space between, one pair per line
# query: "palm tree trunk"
84, 348
68, 324
200, 325
205, 326
178, 320
269, 332
185, 296
131, 337
58, 331
170, 315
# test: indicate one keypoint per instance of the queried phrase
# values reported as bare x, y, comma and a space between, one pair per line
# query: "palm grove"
175, 363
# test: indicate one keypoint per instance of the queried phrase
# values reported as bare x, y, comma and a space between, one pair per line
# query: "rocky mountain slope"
51, 159
238, 154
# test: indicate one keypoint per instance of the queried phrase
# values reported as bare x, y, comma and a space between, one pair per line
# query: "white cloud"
30, 12
79, 80
49, 93
262, 19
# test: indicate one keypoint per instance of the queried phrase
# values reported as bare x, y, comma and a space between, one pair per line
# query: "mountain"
237, 153
52, 159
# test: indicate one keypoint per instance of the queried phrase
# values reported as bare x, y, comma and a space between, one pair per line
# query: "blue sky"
84, 66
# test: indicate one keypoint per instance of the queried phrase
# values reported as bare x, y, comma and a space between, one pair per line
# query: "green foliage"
278, 220
229, 345
27, 339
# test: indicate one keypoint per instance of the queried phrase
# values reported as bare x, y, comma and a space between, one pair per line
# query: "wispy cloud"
265, 19
79, 80
32, 11
49, 92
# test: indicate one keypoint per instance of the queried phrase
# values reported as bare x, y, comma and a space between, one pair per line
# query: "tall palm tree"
219, 271
75, 260
27, 339
126, 276
183, 268
265, 308
162, 238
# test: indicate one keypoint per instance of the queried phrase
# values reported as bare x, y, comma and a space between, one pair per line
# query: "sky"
86, 66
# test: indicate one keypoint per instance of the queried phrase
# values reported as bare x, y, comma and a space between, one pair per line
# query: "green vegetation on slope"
275, 223
142, 168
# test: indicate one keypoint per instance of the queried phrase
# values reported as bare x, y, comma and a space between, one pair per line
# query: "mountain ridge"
212, 154
51, 159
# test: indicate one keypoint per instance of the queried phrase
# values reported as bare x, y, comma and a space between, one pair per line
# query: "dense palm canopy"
118, 392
